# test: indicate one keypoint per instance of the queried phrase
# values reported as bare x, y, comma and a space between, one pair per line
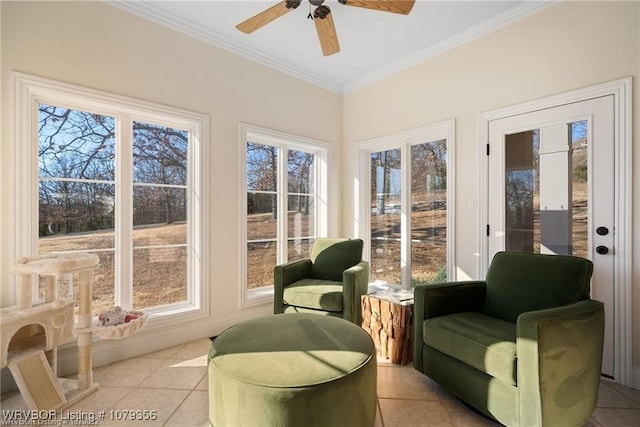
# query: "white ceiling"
373, 44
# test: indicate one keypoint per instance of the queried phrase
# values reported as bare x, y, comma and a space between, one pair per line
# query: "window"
409, 208
285, 202
119, 178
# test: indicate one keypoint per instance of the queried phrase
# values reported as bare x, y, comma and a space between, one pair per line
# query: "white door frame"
621, 91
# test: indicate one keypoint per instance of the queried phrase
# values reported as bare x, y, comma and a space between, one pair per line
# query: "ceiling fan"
322, 17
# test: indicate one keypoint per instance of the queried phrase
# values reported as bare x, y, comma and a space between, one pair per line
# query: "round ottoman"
292, 370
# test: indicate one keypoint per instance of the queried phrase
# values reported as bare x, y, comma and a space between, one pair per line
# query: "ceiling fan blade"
266, 16
398, 6
327, 34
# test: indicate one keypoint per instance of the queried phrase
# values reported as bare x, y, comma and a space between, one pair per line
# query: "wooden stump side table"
389, 321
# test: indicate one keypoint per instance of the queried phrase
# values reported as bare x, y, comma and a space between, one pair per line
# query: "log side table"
388, 318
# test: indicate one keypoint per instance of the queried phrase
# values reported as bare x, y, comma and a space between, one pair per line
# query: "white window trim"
322, 151
28, 92
362, 187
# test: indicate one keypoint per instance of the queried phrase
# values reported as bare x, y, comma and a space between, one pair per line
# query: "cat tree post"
84, 331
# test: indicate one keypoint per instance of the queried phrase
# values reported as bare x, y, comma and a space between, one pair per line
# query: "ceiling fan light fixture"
321, 12
293, 4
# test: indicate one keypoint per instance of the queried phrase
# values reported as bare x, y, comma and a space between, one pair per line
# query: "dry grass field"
159, 274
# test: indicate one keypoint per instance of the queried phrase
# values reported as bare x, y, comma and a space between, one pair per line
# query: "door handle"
602, 250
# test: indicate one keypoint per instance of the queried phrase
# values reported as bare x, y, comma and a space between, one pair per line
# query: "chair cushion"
519, 282
486, 343
331, 257
314, 293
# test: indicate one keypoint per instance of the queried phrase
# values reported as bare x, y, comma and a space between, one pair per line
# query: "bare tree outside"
263, 180
428, 199
77, 200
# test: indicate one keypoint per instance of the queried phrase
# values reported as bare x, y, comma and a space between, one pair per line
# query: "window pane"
83, 213
429, 212
153, 205
385, 216
159, 276
261, 258
159, 154
301, 216
75, 144
579, 162
300, 177
262, 216
262, 167
299, 249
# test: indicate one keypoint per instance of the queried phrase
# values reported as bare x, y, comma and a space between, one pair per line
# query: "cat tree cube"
32, 333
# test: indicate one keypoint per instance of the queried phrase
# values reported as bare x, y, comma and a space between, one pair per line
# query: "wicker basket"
123, 330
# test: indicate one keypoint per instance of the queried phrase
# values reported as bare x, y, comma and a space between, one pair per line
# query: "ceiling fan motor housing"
316, 2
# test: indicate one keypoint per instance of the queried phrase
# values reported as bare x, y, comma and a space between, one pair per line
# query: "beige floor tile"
194, 349
618, 417
128, 373
462, 415
203, 385
193, 412
160, 403
414, 413
404, 382
178, 374
611, 396
103, 399
167, 353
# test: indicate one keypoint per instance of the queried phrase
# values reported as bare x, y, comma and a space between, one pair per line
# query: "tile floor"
173, 382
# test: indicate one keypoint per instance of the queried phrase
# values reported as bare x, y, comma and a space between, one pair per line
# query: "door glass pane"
429, 212
546, 190
580, 196
385, 216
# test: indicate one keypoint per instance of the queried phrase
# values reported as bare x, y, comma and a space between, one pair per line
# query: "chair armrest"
559, 361
355, 283
439, 299
286, 274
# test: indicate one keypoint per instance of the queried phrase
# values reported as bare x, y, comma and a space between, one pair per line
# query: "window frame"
29, 92
284, 141
362, 194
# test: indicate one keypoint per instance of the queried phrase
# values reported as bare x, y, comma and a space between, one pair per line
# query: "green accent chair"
523, 346
330, 282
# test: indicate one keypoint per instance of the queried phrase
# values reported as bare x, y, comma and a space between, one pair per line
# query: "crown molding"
147, 11
151, 13
454, 41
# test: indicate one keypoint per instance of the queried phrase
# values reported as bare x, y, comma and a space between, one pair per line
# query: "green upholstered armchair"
330, 282
523, 346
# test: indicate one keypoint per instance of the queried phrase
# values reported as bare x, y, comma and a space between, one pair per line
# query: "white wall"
99, 46
561, 48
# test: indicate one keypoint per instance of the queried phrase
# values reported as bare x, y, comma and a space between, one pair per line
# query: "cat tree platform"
32, 333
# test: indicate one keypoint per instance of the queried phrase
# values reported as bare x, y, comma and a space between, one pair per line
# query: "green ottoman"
292, 370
